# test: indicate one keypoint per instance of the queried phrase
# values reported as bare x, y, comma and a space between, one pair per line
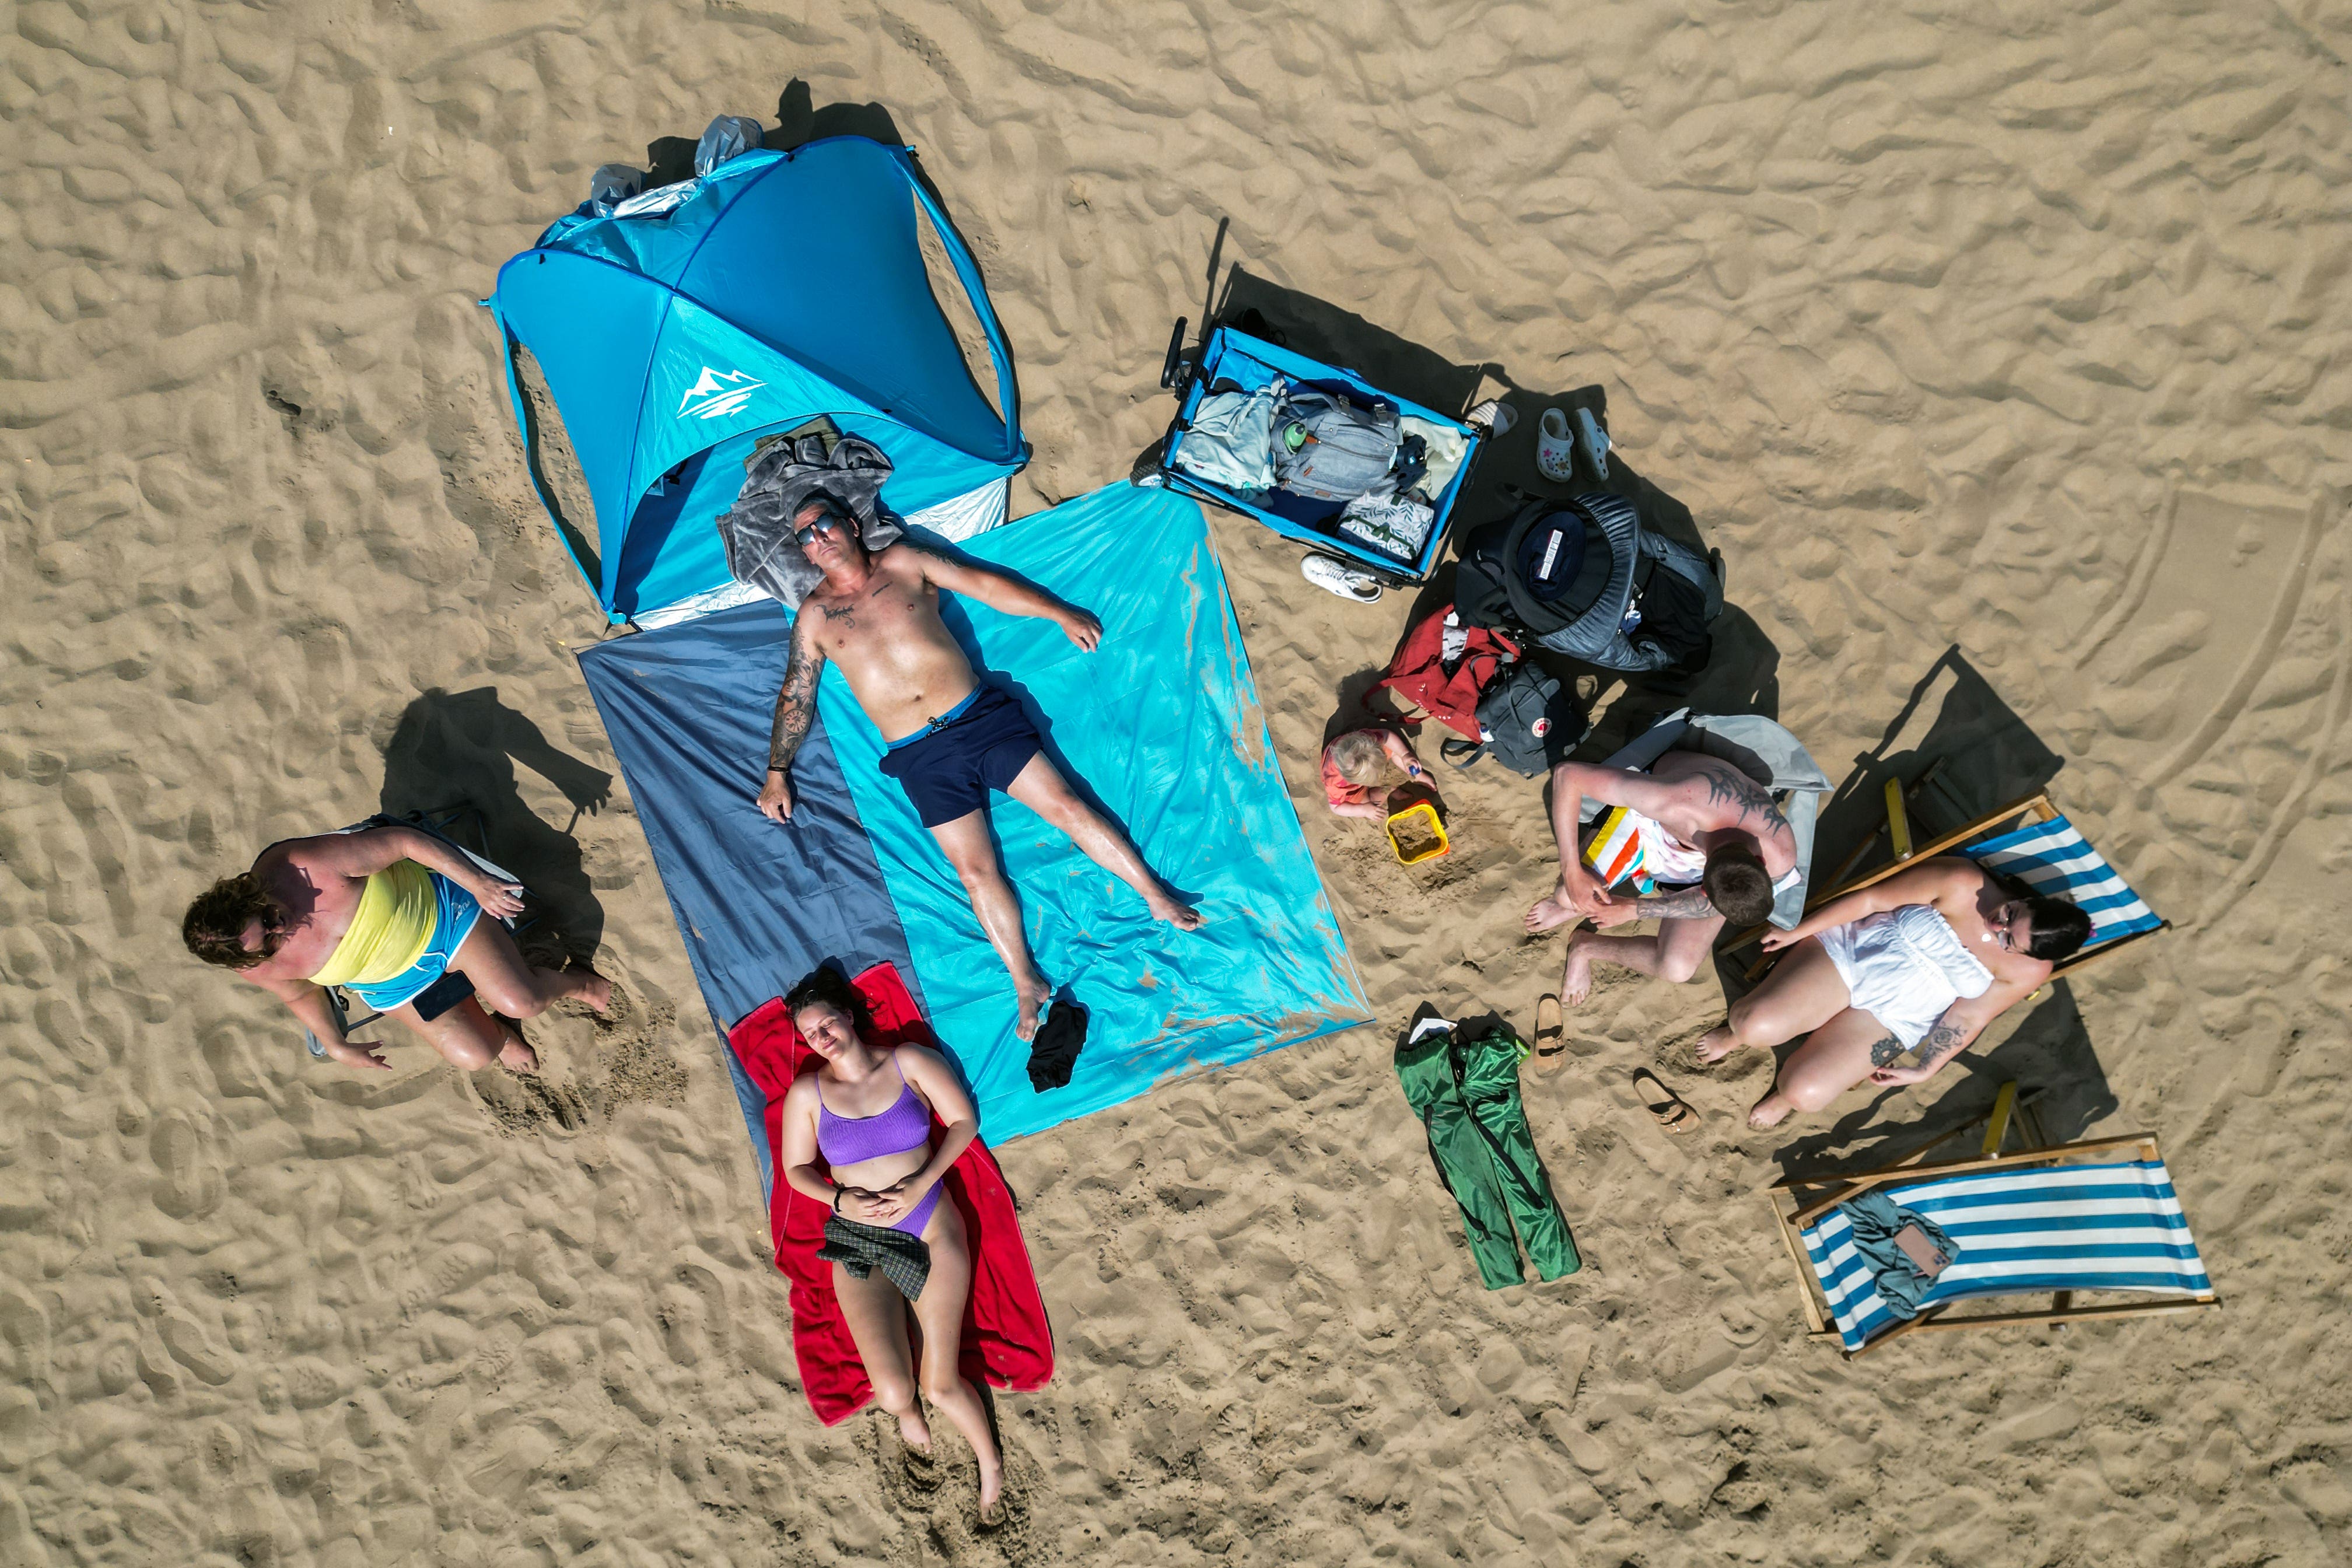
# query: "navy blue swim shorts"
948, 770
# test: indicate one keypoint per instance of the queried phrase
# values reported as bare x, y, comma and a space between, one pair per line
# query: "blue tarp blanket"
1161, 726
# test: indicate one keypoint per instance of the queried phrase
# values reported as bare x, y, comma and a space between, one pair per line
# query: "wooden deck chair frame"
1798, 1200
2032, 808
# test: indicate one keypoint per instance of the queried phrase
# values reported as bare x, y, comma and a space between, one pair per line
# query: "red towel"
1006, 1338
1418, 673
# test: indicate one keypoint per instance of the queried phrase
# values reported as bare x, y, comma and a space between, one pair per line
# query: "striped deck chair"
2095, 1216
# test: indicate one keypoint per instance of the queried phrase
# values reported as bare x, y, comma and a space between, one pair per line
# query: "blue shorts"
452, 923
947, 770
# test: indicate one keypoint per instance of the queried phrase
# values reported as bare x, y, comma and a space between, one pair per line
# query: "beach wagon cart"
1234, 360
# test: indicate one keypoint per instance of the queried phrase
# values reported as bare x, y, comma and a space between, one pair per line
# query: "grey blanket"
783, 475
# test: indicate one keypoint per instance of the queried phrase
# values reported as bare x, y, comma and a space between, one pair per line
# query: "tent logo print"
716, 394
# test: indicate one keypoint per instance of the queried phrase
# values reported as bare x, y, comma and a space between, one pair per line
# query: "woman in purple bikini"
867, 1111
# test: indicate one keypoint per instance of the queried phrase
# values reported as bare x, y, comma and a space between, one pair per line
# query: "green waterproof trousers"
1466, 1094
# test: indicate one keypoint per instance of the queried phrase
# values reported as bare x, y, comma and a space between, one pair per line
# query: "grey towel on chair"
783, 474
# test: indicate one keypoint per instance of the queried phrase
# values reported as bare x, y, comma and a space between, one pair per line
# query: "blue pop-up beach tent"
639, 320
778, 288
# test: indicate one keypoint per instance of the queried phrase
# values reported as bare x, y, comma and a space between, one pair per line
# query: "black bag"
1679, 597
1525, 721
1563, 575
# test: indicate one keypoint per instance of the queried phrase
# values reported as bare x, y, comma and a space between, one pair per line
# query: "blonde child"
1355, 765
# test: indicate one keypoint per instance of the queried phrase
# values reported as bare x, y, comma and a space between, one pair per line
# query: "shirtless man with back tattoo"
1712, 840
953, 737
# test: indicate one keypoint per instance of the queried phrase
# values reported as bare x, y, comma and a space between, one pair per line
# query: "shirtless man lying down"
952, 738
1712, 841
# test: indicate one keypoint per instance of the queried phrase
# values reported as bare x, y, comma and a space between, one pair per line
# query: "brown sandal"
1552, 1034
1670, 1110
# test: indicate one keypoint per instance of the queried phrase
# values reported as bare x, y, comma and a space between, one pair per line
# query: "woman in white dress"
1919, 963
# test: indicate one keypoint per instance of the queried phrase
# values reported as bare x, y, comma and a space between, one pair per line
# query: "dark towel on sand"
1055, 1052
904, 1260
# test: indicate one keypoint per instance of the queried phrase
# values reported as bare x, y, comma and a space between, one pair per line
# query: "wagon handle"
1171, 368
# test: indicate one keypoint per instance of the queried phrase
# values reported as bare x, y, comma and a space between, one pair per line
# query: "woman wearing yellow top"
394, 915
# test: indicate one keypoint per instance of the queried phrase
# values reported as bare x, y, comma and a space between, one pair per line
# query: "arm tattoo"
1945, 1039
795, 705
1727, 786
1684, 904
1884, 1053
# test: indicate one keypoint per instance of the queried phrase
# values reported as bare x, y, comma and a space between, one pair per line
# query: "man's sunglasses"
829, 521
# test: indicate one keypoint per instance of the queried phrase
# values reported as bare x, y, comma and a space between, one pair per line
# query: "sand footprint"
617, 1209
24, 1338
190, 1187
951, 1509
311, 1383
189, 1345
118, 1366
531, 1105
460, 1266
457, 1266
539, 1267
693, 1316
626, 1382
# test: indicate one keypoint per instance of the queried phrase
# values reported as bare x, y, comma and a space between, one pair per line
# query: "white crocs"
1336, 576
1593, 442
1555, 447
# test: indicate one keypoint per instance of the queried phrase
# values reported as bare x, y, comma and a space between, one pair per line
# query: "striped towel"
2048, 1227
1614, 852
2054, 859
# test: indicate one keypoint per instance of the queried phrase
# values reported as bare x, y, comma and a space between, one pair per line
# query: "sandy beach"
2004, 354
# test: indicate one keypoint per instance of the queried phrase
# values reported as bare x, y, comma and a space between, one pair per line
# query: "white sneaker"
1593, 442
1555, 449
1336, 576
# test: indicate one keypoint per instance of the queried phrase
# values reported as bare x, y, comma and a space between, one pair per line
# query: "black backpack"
1526, 721
1563, 573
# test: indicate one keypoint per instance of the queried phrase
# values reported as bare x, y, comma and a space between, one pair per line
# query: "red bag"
1418, 673
1007, 1339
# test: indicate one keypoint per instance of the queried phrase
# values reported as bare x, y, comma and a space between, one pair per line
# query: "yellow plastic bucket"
1428, 827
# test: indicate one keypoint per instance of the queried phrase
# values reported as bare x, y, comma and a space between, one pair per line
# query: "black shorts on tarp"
949, 771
